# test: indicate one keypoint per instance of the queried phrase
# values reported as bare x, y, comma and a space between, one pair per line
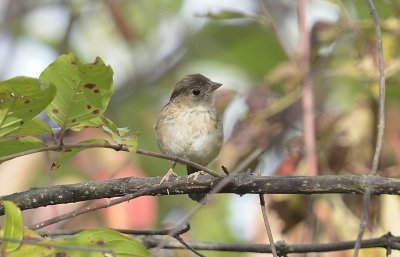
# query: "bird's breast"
191, 133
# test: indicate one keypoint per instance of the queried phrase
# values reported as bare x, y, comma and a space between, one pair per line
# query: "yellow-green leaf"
120, 135
31, 127
21, 99
16, 145
32, 250
83, 90
68, 153
120, 244
13, 226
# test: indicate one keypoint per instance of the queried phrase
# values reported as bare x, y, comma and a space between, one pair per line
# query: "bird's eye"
196, 92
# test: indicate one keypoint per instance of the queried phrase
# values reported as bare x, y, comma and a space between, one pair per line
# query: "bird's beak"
214, 86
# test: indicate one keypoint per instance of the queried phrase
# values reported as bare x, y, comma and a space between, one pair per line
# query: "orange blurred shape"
102, 164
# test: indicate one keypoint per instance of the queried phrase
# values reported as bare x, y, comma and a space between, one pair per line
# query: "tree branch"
241, 184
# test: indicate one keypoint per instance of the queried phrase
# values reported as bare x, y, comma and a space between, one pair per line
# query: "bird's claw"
195, 176
168, 176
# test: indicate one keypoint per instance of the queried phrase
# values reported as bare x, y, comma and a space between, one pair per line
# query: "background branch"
386, 241
137, 232
381, 124
303, 53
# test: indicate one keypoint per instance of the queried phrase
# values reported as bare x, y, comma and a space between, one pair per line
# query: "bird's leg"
170, 174
195, 176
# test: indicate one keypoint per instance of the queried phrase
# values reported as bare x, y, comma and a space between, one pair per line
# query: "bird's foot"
168, 176
195, 176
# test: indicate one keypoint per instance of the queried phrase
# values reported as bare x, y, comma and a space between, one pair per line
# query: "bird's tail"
196, 197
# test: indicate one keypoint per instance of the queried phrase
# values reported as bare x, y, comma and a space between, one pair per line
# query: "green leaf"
83, 90
31, 127
88, 243
32, 250
68, 153
119, 135
120, 244
21, 99
93, 123
129, 141
13, 226
16, 145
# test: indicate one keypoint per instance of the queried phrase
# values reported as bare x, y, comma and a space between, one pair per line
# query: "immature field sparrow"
188, 126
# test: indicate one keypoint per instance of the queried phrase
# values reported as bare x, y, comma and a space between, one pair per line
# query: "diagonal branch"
267, 225
183, 242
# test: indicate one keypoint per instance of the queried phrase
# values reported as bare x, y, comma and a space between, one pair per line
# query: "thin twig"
381, 111
177, 237
363, 223
381, 125
303, 52
225, 170
59, 148
180, 160
143, 232
283, 248
267, 226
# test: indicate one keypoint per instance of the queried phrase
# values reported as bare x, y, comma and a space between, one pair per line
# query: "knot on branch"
282, 249
388, 243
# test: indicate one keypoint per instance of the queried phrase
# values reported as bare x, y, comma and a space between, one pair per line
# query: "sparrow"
189, 126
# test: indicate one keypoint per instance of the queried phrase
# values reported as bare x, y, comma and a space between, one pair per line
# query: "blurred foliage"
90, 243
150, 45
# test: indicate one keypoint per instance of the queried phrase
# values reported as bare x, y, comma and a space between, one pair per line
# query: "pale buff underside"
192, 133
